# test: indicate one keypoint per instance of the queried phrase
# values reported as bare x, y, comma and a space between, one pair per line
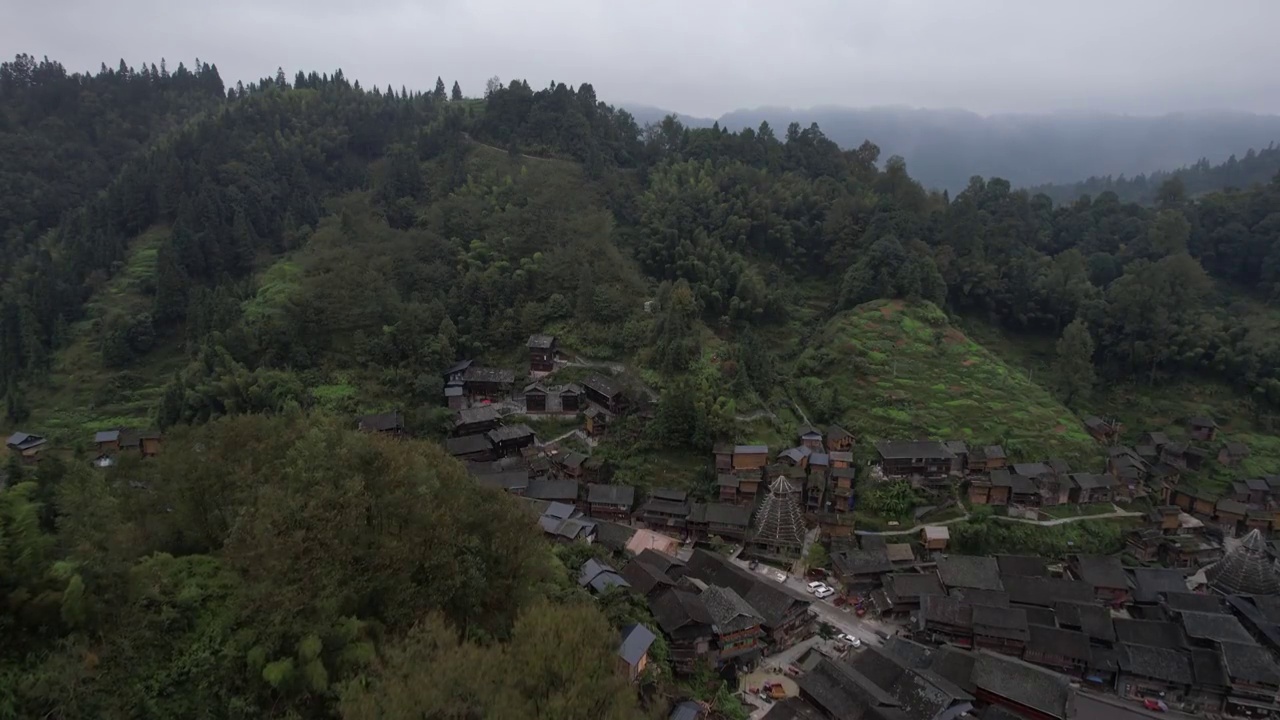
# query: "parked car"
824, 593
816, 585
1156, 705
849, 640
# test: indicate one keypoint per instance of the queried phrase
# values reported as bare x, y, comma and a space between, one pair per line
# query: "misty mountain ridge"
945, 147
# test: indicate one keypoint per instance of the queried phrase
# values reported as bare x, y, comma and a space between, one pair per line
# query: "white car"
849, 640
825, 593
816, 585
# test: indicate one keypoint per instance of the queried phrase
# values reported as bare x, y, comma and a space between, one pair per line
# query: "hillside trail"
1115, 514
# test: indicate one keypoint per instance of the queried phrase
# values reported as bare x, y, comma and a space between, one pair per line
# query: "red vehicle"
860, 611
1156, 705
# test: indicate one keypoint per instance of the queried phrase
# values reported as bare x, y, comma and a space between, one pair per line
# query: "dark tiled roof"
622, 495
839, 690
1001, 477
970, 571
1235, 507
1215, 626
1022, 565
1171, 666
1151, 633
1101, 571
906, 450
939, 609
666, 507
772, 601
1041, 616
908, 586
607, 386
599, 576
566, 490
1104, 659
1092, 481
1045, 591
750, 449
636, 640
861, 562
509, 433
672, 494
1008, 623
1023, 683
727, 480
726, 514
1196, 602
458, 367
1031, 469
729, 610
614, 536
1206, 667
644, 578
471, 416
835, 432
489, 375
468, 444
1149, 583
1093, 620
541, 342
974, 596
1250, 663
658, 559
675, 609
1054, 641
106, 436
1202, 421
509, 480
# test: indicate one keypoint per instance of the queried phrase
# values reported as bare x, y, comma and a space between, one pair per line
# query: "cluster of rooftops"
1203, 640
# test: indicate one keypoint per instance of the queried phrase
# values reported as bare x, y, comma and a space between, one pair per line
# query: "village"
893, 624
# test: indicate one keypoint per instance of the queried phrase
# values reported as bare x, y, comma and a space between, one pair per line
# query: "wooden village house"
26, 446
474, 420
1202, 428
838, 439
387, 423
604, 391
542, 353
610, 501
488, 383
924, 459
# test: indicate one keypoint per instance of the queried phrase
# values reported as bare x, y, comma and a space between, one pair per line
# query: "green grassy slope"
81, 395
1164, 407
902, 371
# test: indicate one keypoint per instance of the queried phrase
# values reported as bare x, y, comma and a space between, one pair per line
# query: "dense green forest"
247, 268
947, 146
1257, 167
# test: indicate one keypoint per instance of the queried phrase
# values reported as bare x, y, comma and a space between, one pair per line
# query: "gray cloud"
706, 58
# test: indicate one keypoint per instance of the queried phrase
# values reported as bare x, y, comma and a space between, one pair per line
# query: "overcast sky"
707, 57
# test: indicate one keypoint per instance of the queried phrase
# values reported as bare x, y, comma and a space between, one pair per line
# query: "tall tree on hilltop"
1075, 361
456, 95
439, 94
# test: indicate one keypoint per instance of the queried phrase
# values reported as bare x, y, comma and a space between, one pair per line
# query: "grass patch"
902, 371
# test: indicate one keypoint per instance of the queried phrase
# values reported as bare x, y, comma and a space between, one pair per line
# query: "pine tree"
439, 95
1075, 361
456, 95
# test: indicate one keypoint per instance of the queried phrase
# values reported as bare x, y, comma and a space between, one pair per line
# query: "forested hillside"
947, 147
247, 270
1257, 167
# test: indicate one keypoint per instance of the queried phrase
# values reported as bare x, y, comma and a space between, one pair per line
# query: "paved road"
843, 620
1116, 513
